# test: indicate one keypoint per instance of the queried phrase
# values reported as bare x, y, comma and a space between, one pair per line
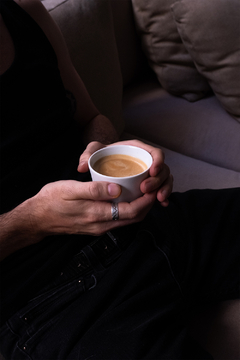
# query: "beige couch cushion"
88, 30
210, 31
165, 51
190, 173
202, 130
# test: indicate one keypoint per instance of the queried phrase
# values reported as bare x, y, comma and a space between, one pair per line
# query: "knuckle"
92, 218
66, 189
95, 190
93, 143
159, 152
89, 146
137, 142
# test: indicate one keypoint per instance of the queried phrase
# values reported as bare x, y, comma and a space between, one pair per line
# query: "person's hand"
160, 179
74, 207
68, 207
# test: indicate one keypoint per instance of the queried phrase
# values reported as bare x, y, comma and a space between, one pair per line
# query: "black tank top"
39, 144
38, 137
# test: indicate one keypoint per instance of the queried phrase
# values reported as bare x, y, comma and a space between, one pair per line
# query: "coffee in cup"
119, 165
130, 178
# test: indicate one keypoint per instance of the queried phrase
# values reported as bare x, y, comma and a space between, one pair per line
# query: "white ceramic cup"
130, 184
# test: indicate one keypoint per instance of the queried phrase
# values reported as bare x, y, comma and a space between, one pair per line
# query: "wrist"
19, 228
100, 129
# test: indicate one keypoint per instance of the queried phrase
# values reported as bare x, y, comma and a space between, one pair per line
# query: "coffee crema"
119, 165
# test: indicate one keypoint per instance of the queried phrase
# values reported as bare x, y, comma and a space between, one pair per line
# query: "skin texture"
71, 207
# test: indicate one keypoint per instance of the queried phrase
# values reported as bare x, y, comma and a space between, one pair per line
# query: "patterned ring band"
115, 213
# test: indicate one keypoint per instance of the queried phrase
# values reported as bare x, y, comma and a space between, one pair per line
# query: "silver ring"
115, 213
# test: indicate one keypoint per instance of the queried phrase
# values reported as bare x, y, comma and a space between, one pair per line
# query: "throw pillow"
210, 30
165, 51
87, 27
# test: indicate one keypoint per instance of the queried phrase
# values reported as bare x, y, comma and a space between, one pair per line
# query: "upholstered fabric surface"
190, 173
51, 4
210, 31
87, 27
165, 51
202, 130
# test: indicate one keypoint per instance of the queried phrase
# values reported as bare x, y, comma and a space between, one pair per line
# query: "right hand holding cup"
73, 207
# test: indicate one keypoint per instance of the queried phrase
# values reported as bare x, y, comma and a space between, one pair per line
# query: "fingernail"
114, 190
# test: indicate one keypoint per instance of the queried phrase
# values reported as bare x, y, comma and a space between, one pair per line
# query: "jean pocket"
46, 309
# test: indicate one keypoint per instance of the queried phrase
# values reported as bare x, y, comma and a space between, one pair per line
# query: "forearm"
100, 129
17, 229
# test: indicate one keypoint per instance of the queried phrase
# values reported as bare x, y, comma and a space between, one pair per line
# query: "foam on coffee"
119, 165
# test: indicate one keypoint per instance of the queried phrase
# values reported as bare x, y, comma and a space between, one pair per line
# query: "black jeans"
130, 295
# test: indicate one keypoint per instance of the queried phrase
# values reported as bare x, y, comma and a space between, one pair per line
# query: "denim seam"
55, 297
24, 352
95, 283
43, 328
17, 341
64, 286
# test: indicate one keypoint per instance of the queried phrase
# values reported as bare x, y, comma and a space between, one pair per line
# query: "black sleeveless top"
38, 135
39, 144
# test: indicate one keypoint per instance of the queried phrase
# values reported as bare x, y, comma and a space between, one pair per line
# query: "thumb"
90, 149
100, 190
114, 190
82, 167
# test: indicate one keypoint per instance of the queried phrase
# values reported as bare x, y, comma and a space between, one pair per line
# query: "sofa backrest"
132, 60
